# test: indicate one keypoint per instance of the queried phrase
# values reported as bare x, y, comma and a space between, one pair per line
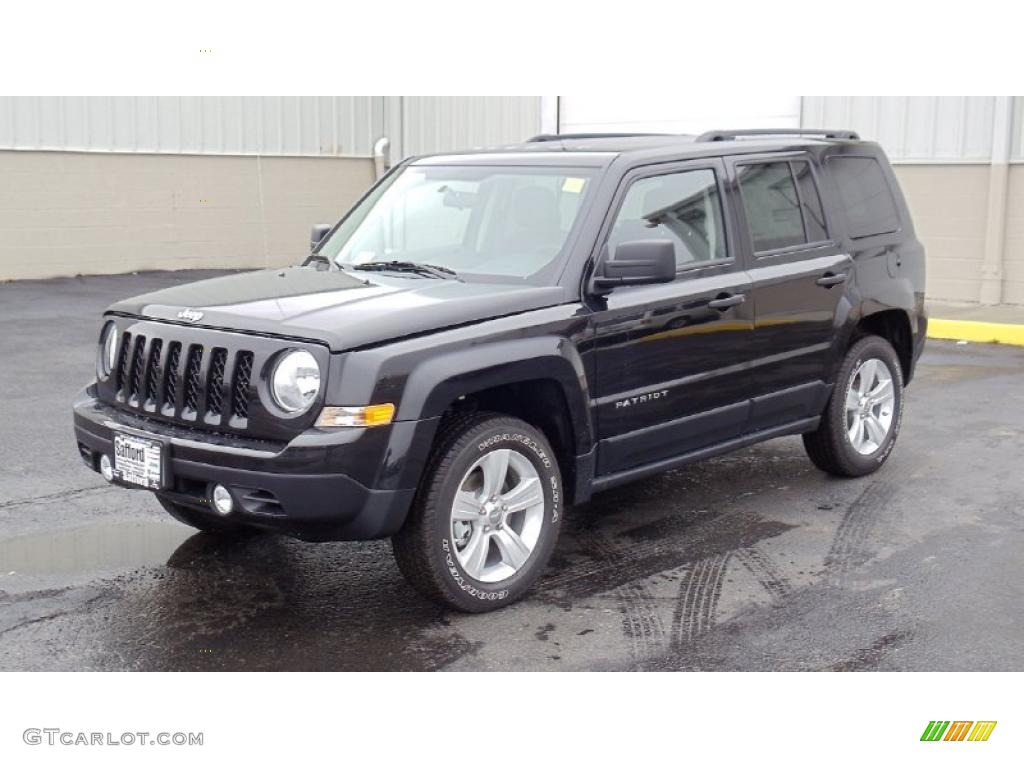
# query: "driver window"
682, 207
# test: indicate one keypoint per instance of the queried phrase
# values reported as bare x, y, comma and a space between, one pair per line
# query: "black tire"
424, 548
829, 446
205, 522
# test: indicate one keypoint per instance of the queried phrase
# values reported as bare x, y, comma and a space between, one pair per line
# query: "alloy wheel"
497, 515
870, 403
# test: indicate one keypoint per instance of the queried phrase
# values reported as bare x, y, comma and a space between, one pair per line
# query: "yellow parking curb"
972, 330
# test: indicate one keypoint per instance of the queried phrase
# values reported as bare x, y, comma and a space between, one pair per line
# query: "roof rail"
823, 133
561, 136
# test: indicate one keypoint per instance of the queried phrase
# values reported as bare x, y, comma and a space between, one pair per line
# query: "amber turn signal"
357, 416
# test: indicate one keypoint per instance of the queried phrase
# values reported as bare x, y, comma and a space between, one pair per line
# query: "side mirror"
639, 262
317, 234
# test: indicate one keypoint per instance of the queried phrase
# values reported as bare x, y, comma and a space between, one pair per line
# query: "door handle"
727, 301
829, 279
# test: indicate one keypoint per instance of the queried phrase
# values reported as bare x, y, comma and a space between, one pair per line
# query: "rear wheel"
486, 516
204, 522
862, 419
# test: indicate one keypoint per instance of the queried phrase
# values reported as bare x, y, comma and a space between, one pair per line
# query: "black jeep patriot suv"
489, 337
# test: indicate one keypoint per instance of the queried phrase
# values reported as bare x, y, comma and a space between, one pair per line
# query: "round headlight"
296, 381
108, 349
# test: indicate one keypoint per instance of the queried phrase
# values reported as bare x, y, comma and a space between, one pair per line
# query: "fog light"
106, 468
222, 500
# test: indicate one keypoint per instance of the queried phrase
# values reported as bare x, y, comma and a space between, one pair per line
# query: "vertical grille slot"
215, 382
153, 372
138, 361
240, 387
171, 385
192, 368
122, 363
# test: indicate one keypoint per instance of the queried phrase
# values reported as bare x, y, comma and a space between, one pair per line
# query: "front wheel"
862, 419
486, 516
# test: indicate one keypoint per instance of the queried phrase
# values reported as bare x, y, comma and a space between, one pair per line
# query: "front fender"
439, 381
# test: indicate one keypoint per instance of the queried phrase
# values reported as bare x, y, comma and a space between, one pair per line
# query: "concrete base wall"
69, 213
949, 204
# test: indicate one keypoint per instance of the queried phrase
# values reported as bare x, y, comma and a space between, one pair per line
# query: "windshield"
505, 222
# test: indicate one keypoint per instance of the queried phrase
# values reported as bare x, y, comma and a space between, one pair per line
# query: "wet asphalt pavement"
753, 561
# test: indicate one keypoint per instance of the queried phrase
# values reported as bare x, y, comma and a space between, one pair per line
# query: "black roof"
601, 148
626, 142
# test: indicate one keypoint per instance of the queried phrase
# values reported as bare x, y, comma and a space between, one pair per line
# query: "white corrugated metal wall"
445, 123
338, 126
231, 125
678, 113
913, 128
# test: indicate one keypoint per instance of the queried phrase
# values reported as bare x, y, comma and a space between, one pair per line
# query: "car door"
799, 273
670, 358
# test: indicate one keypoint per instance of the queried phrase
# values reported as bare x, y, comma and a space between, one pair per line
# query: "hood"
339, 308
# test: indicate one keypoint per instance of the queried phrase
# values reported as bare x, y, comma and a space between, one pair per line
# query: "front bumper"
324, 485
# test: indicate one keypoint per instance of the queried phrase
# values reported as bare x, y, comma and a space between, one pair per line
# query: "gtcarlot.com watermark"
56, 737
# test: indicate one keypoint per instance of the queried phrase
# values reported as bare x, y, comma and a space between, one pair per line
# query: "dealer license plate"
138, 461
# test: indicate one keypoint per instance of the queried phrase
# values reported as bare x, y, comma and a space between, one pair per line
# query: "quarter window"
682, 207
867, 200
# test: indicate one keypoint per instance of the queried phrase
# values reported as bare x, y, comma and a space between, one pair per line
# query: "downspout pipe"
382, 156
992, 264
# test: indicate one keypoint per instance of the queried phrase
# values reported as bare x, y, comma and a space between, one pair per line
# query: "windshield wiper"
406, 266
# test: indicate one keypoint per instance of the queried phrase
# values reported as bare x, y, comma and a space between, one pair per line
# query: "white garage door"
683, 114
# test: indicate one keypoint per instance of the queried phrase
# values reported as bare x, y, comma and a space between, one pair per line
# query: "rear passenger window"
864, 191
682, 207
810, 203
772, 206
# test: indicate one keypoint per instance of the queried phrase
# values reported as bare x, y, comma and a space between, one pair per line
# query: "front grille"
182, 382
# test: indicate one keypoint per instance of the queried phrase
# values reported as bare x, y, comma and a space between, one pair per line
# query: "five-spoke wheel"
869, 406
497, 515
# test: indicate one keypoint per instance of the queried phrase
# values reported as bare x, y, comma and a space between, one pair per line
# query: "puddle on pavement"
88, 550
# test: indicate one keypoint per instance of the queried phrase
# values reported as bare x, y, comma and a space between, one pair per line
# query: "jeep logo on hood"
190, 315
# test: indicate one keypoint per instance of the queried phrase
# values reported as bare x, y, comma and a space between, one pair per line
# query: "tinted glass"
772, 206
814, 218
867, 200
682, 207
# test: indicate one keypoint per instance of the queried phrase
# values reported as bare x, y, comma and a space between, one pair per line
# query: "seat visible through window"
682, 207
